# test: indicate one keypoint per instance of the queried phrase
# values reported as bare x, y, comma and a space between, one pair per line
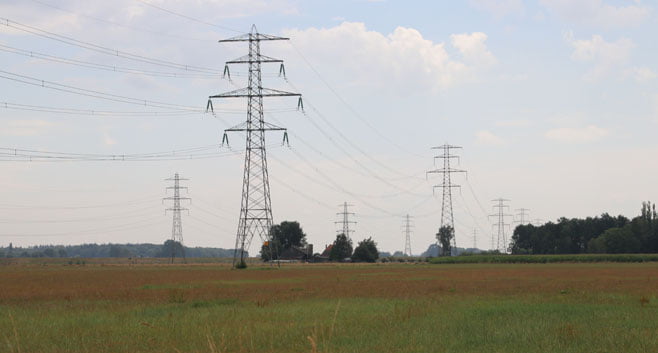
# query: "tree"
284, 236
366, 251
341, 249
445, 236
170, 248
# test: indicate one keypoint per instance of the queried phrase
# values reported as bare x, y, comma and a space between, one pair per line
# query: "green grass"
515, 259
562, 324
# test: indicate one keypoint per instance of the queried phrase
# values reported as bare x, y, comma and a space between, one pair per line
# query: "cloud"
488, 138
586, 134
605, 56
108, 140
598, 13
403, 59
641, 74
473, 48
499, 8
26, 127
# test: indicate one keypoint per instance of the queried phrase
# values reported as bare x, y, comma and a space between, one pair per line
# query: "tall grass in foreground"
561, 324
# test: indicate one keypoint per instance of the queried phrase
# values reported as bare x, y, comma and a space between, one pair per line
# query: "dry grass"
264, 285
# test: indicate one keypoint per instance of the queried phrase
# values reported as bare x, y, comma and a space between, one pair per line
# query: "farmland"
409, 307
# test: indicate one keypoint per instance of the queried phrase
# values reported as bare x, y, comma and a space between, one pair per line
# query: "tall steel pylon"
177, 224
345, 220
500, 235
447, 218
407, 235
256, 208
523, 213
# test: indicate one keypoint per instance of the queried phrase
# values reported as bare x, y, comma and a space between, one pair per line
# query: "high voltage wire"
105, 67
95, 94
124, 203
123, 227
121, 24
104, 50
78, 220
100, 113
190, 18
349, 106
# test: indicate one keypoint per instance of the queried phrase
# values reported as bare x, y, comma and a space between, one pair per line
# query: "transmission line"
104, 50
104, 67
95, 94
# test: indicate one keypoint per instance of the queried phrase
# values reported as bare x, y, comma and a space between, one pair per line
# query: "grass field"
598, 307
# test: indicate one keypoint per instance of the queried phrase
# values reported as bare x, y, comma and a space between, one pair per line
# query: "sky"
554, 103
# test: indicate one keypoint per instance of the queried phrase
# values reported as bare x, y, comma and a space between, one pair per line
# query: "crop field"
397, 307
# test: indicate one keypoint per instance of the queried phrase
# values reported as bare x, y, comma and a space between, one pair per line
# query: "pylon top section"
252, 36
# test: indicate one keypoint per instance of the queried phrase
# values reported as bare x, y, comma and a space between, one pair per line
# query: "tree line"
109, 250
601, 234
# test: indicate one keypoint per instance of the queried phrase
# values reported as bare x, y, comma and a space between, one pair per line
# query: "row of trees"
290, 234
604, 234
111, 250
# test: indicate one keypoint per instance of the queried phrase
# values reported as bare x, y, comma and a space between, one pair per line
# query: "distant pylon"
500, 235
475, 242
177, 224
256, 209
345, 220
407, 235
447, 218
522, 216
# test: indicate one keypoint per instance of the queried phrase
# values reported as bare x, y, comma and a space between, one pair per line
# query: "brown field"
109, 306
156, 282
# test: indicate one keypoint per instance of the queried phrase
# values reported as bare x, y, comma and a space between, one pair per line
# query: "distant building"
295, 253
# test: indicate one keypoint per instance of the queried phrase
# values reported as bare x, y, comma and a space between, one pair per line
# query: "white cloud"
499, 8
404, 57
488, 138
586, 134
26, 127
605, 56
641, 74
473, 48
108, 140
598, 12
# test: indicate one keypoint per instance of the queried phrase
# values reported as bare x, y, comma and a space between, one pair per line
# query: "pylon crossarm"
247, 37
247, 93
247, 59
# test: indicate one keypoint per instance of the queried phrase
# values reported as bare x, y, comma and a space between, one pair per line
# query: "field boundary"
514, 259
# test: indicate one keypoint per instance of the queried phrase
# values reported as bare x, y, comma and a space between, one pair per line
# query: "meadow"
394, 307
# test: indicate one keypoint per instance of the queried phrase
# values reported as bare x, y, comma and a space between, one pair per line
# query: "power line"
104, 67
104, 50
189, 17
92, 93
120, 24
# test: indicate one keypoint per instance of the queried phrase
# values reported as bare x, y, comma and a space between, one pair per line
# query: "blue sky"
554, 102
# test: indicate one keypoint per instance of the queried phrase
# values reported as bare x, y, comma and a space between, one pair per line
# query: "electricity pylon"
407, 235
256, 207
475, 242
345, 221
523, 213
177, 225
500, 236
447, 218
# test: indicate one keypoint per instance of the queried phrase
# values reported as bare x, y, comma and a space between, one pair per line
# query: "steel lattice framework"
501, 243
177, 224
345, 220
447, 217
407, 235
256, 207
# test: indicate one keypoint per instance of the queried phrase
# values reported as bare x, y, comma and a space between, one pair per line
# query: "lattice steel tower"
256, 207
345, 221
177, 224
501, 238
407, 235
447, 218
